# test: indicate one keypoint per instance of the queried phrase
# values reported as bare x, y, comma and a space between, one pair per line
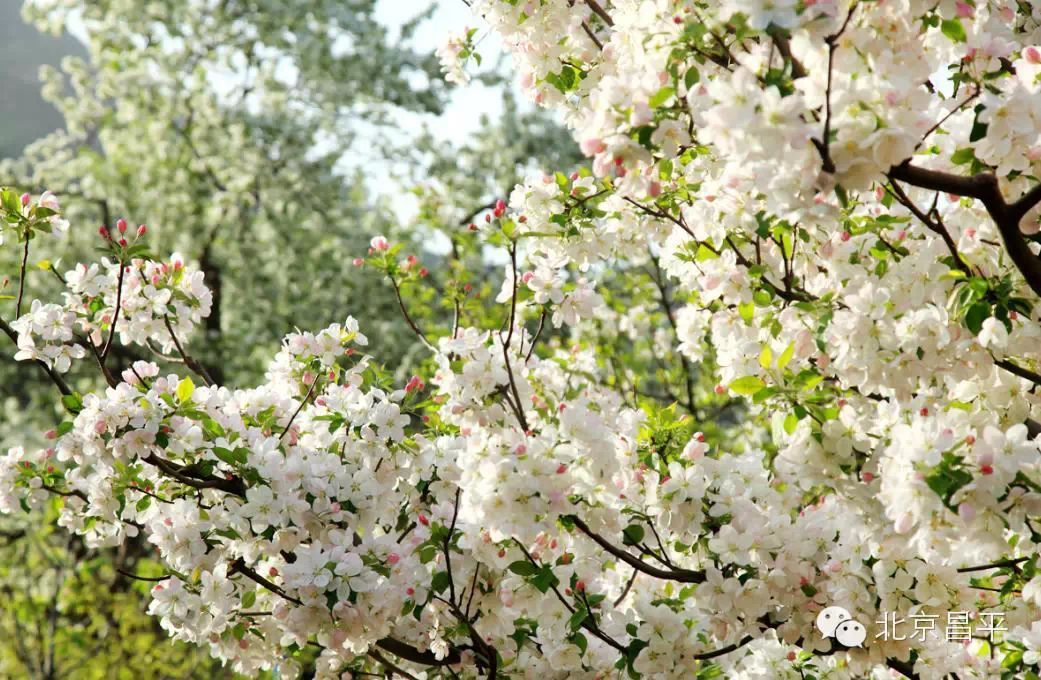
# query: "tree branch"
679, 575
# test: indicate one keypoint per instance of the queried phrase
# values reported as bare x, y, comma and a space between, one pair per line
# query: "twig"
679, 575
21, 277
307, 397
993, 565
115, 315
191, 363
408, 319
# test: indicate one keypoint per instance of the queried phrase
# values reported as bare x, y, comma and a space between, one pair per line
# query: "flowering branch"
58, 381
681, 575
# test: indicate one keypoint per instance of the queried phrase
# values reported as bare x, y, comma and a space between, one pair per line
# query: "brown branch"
984, 188
679, 575
115, 315
191, 363
780, 39
307, 397
58, 492
934, 226
1018, 371
994, 565
405, 651
404, 313
62, 386
599, 11
21, 277
234, 486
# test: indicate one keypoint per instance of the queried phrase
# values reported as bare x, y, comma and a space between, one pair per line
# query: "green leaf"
962, 156
661, 96
705, 253
633, 534
976, 315
747, 311
185, 389
747, 386
786, 356
523, 568
579, 641
143, 503
544, 579
440, 582
10, 201
249, 598
953, 29
73, 403
791, 421
575, 622
766, 357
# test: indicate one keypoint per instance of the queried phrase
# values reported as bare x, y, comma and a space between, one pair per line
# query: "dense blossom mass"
842, 201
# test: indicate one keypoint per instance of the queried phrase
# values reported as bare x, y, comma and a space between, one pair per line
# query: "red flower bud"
141, 230
121, 225
25, 199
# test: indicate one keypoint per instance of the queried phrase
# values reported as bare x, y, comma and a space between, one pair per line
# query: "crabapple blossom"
793, 365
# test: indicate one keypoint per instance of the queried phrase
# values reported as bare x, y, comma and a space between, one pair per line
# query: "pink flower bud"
867, 476
1032, 55
123, 242
141, 230
393, 558
591, 147
103, 232
121, 225
845, 236
25, 199
50, 434
964, 10
561, 469
655, 190
986, 469
423, 520
527, 277
379, 243
100, 427
500, 208
358, 262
